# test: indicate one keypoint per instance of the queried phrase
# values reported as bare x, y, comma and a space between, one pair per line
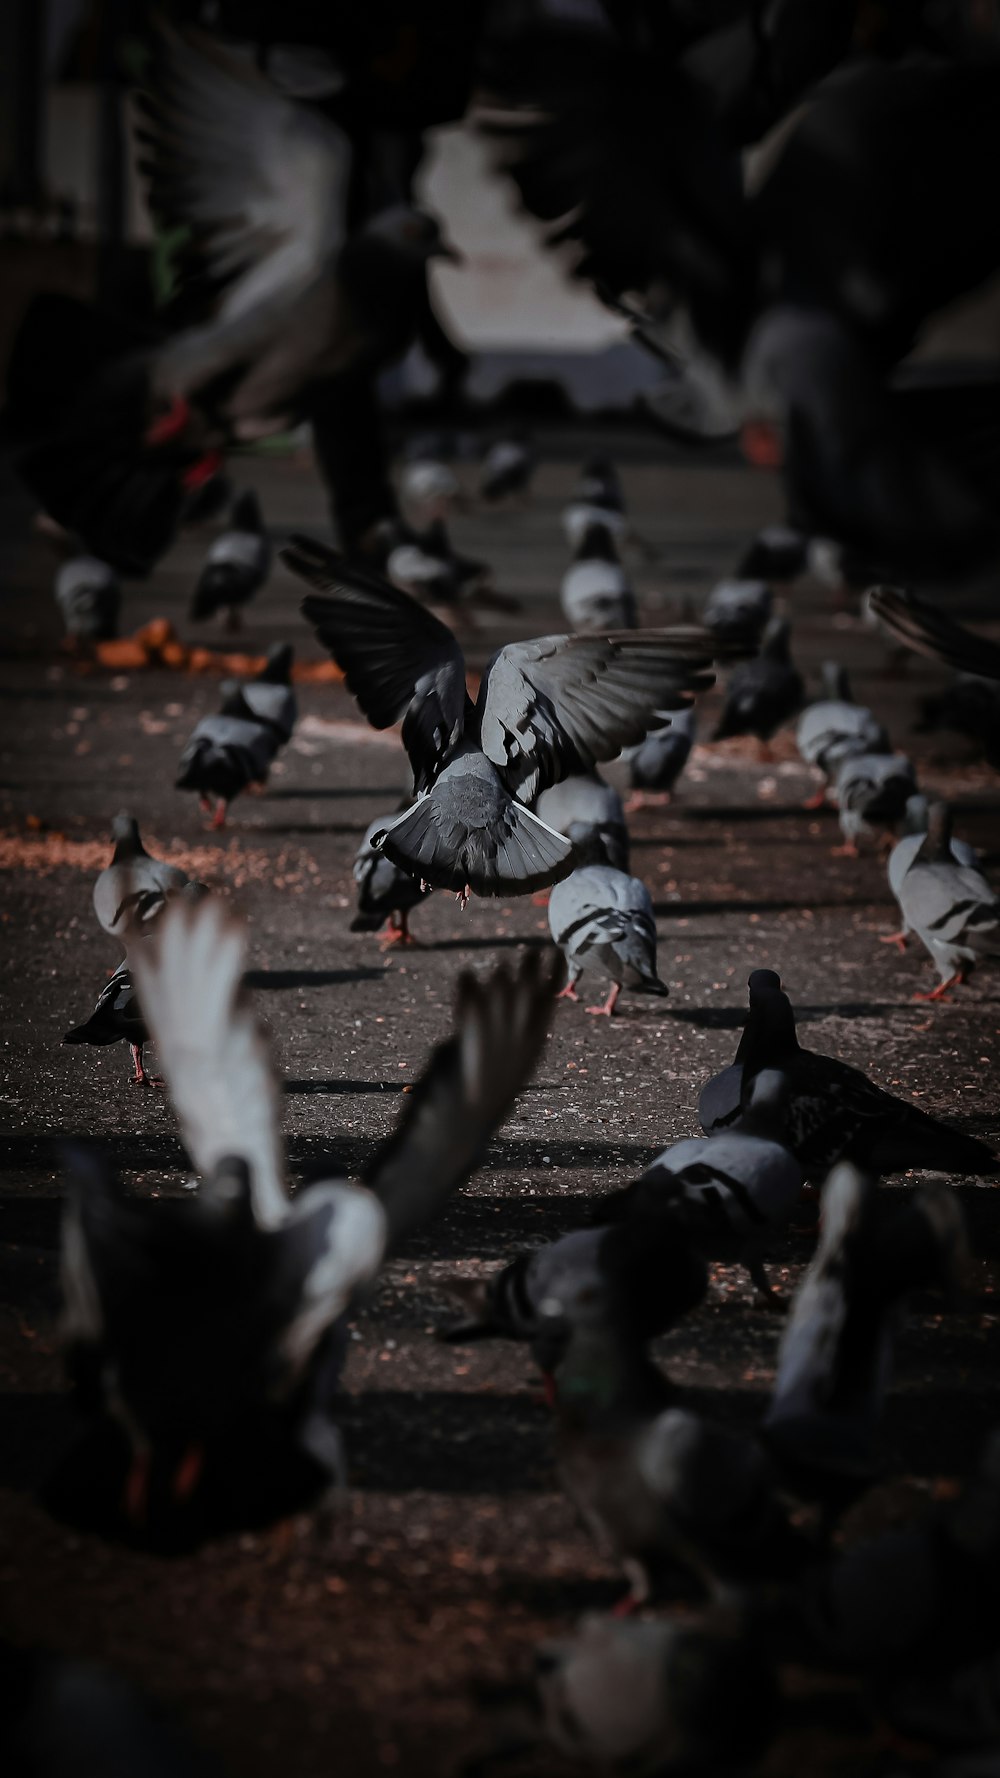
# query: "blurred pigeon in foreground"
739, 610
929, 631
133, 890
384, 891
590, 814
732, 1190
89, 596
221, 1321
507, 467
595, 593
226, 752
545, 709
834, 727
834, 1112
950, 906
115, 1018
765, 692
602, 919
871, 791
657, 762
237, 565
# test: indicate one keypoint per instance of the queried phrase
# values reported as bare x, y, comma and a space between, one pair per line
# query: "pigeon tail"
918, 1140
515, 855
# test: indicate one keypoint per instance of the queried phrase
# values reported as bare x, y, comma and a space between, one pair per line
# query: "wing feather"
929, 631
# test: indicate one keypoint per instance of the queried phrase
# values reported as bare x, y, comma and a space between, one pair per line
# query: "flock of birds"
207, 1338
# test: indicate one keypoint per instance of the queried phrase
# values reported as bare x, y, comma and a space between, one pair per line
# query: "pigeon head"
937, 845
915, 814
246, 514
411, 234
277, 670
125, 833
762, 982
835, 683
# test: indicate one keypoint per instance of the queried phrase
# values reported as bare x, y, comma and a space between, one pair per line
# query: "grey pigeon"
545, 709
595, 593
117, 1017
871, 791
765, 692
833, 1367
590, 814
507, 467
269, 698
133, 890
424, 564
733, 1190
835, 726
739, 610
428, 485
950, 906
644, 1697
237, 565
834, 1112
657, 762
602, 919
225, 753
597, 500
385, 893
905, 851
777, 553
89, 596
212, 1331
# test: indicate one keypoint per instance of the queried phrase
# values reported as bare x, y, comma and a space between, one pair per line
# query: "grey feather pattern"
603, 919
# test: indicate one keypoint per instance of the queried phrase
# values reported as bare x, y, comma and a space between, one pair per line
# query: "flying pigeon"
116, 1017
731, 1190
602, 919
739, 610
871, 791
590, 814
116, 426
507, 467
950, 906
834, 1112
237, 565
225, 753
546, 709
89, 596
834, 727
765, 692
133, 890
595, 593
385, 893
212, 1332
657, 762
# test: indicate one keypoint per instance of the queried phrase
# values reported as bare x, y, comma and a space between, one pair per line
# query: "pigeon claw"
893, 938
188, 1473
847, 850
463, 897
136, 1496
219, 818
817, 799
607, 1010
568, 993
941, 991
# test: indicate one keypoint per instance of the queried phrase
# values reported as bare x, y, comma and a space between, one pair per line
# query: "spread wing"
211, 1049
260, 181
929, 631
465, 1092
400, 662
560, 704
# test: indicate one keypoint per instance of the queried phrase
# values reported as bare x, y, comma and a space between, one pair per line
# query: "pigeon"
237, 565
603, 919
927, 630
777, 553
871, 792
546, 709
206, 499
428, 485
950, 906
834, 1112
385, 893
643, 1697
425, 565
730, 1190
835, 726
89, 596
117, 425
765, 692
225, 753
132, 891
739, 610
595, 593
905, 851
507, 467
115, 1017
646, 1270
597, 499
590, 814
657, 762
210, 1333
826, 1408
268, 698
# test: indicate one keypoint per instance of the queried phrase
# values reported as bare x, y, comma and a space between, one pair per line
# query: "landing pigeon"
89, 596
545, 709
595, 593
602, 919
133, 890
237, 565
590, 814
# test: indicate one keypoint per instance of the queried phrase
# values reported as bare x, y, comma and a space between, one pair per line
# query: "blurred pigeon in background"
237, 565
89, 596
595, 593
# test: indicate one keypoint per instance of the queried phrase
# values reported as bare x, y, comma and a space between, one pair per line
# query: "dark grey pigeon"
212, 1331
834, 1111
602, 919
385, 893
739, 610
871, 792
133, 890
658, 761
595, 593
546, 709
89, 596
733, 1190
950, 906
835, 727
777, 553
765, 692
507, 467
237, 565
269, 698
117, 1018
226, 753
590, 814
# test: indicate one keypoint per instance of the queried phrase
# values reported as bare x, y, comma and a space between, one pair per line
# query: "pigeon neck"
936, 845
602, 1372
768, 1035
127, 846
596, 545
836, 685
775, 643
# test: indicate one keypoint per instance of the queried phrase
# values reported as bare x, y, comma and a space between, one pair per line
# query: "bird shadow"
315, 828
679, 910
733, 1018
329, 793
266, 979
345, 1086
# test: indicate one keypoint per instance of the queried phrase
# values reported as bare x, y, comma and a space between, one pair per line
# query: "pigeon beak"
446, 250
188, 1473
